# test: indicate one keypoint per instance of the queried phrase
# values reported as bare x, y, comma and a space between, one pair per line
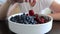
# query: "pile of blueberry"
29, 18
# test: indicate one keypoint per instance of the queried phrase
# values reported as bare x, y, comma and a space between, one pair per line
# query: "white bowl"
29, 28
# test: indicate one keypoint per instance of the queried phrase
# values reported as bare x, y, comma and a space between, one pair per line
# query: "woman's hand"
13, 1
13, 10
32, 2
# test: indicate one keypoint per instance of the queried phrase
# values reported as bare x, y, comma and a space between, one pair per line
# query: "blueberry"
21, 21
27, 18
21, 15
32, 22
20, 18
35, 22
12, 19
30, 17
24, 14
25, 22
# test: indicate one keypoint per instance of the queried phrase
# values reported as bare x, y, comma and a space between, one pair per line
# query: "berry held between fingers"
31, 12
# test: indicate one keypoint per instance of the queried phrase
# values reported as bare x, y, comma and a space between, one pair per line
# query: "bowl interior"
50, 18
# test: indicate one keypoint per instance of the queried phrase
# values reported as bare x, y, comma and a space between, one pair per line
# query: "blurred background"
2, 2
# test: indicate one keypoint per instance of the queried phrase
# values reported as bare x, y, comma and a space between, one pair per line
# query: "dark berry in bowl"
31, 12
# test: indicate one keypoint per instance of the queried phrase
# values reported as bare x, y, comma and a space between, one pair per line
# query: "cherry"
36, 15
31, 12
42, 20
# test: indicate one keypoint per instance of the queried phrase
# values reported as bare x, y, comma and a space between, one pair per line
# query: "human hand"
13, 9
31, 2
14, 1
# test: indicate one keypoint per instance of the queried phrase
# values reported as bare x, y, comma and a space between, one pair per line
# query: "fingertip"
34, 0
26, 0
